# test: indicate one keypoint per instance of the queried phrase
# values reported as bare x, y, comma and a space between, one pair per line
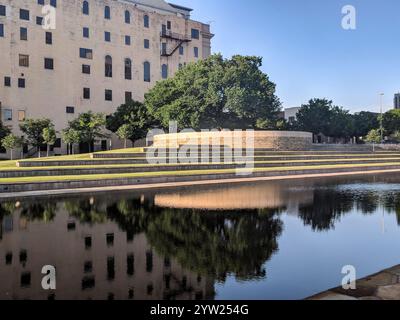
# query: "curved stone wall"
274, 140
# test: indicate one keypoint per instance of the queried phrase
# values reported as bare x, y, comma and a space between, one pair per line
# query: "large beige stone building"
98, 54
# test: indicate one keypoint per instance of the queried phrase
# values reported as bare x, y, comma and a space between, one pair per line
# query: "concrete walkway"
384, 285
143, 187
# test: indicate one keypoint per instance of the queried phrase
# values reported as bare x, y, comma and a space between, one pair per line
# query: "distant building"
291, 114
397, 101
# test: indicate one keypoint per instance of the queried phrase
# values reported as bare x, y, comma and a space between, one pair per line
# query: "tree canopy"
216, 93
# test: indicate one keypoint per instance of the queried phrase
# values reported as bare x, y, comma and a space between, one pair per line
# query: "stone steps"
37, 172
173, 178
133, 161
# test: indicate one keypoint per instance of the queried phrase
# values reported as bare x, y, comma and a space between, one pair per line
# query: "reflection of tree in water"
391, 203
44, 212
87, 212
214, 243
328, 206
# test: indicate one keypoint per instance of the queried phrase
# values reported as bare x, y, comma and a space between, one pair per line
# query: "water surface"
269, 240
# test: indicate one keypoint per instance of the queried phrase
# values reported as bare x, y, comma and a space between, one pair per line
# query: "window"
53, 3
164, 71
108, 95
146, 44
108, 67
21, 83
169, 25
41, 2
195, 34
164, 49
146, 21
107, 13
7, 81
23, 60
7, 115
128, 40
127, 17
1, 30
149, 261
196, 52
128, 69
107, 36
23, 33
86, 53
24, 14
39, 21
146, 71
49, 38
181, 50
85, 69
85, 7
128, 96
86, 93
49, 63
3, 10
21, 115
70, 110
85, 32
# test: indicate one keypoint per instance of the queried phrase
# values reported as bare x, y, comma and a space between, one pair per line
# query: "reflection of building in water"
268, 195
92, 262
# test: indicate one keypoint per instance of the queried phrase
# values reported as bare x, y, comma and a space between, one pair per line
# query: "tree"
341, 124
135, 115
11, 142
70, 137
374, 136
49, 137
33, 130
125, 133
315, 116
364, 122
216, 93
391, 121
90, 126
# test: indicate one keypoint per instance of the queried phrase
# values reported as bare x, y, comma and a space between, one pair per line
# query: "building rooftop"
163, 6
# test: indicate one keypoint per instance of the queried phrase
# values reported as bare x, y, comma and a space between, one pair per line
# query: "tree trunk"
11, 154
38, 149
72, 149
125, 143
48, 150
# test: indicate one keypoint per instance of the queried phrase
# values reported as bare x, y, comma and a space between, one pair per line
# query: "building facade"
59, 58
396, 102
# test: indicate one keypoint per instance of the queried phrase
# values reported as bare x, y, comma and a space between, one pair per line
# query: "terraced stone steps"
133, 161
95, 170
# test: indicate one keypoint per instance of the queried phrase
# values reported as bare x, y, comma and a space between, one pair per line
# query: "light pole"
381, 120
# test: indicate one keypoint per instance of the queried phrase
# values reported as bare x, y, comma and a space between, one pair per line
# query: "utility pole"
381, 96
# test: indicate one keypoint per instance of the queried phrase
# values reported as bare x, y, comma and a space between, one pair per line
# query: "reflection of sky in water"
310, 261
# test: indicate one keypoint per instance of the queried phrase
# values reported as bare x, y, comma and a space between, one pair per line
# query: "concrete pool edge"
176, 184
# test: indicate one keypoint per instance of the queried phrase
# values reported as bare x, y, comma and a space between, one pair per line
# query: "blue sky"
306, 52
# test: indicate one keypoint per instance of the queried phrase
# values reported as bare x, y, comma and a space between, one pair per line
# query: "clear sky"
306, 51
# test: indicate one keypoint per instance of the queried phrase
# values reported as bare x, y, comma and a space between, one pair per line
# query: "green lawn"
185, 173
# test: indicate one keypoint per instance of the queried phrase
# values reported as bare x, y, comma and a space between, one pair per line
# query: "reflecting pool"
269, 240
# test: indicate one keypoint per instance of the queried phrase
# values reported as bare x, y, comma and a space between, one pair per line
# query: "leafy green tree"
70, 138
4, 131
124, 133
90, 127
216, 93
341, 124
315, 116
49, 137
11, 142
33, 130
135, 115
391, 121
374, 136
364, 122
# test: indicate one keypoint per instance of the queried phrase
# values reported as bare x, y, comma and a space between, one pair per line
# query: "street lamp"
381, 96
